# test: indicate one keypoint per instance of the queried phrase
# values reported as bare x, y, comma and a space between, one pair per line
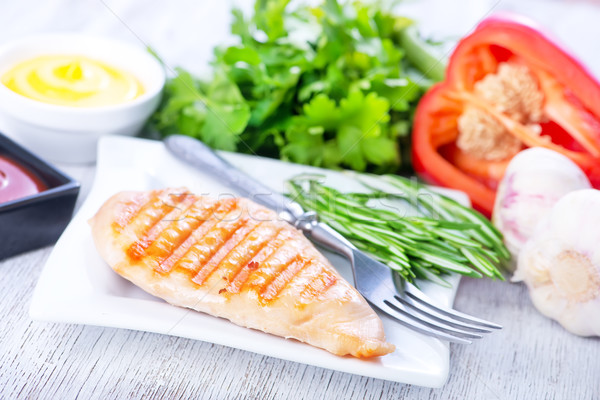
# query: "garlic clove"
560, 264
534, 181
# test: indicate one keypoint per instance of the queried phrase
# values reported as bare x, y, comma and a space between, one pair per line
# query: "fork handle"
328, 237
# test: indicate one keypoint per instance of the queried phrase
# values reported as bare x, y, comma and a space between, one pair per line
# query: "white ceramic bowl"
70, 134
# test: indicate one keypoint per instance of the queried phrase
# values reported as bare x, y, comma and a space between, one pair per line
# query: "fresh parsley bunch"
330, 86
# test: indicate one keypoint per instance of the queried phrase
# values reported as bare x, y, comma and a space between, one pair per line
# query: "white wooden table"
532, 357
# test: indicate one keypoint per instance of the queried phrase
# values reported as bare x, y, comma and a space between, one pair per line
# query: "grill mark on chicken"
238, 275
245, 278
215, 262
249, 246
175, 235
176, 231
265, 274
319, 284
270, 275
144, 204
285, 278
167, 210
240, 280
205, 224
206, 246
132, 209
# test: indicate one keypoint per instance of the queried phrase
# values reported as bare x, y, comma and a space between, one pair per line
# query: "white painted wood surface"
531, 358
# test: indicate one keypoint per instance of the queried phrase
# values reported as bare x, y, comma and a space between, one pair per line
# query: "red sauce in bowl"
16, 181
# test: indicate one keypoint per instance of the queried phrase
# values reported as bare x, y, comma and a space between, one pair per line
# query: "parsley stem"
422, 55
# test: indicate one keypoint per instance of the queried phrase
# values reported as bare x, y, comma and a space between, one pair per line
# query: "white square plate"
76, 285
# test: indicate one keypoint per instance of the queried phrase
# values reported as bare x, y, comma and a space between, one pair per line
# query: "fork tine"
419, 326
432, 323
441, 318
415, 294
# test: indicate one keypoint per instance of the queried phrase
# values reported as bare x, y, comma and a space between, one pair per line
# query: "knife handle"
204, 158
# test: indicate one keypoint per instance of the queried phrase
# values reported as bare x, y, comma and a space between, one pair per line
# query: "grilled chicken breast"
234, 259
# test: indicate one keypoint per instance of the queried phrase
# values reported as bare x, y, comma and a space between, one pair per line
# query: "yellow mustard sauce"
72, 80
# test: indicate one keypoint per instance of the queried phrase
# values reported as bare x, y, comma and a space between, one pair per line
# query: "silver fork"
411, 307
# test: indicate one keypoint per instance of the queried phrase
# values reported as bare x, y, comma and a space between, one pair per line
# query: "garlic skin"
561, 263
533, 182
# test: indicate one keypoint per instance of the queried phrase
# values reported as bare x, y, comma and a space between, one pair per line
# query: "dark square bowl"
35, 221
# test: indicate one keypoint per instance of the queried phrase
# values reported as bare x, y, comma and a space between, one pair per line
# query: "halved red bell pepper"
571, 108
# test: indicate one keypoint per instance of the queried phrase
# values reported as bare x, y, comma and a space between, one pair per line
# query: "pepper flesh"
507, 88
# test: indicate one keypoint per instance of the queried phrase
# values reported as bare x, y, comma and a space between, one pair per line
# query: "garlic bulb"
561, 263
534, 181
